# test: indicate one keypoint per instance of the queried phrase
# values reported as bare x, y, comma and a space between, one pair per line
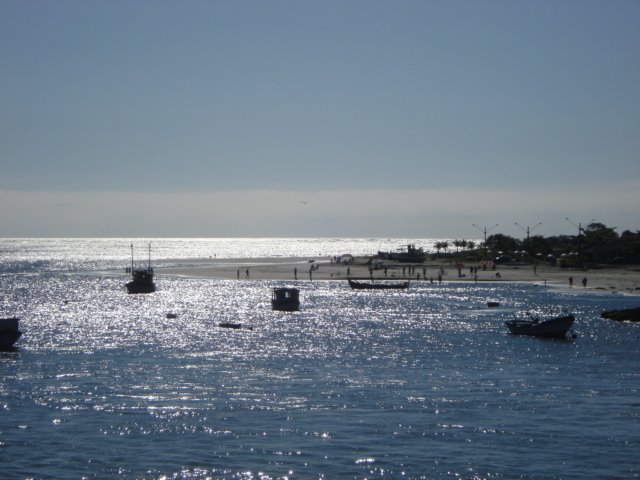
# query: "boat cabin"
285, 299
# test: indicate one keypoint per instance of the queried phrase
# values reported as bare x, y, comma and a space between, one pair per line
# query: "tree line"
596, 243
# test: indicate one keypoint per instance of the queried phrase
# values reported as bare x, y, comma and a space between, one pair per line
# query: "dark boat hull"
629, 314
137, 287
286, 307
8, 338
354, 284
9, 333
552, 328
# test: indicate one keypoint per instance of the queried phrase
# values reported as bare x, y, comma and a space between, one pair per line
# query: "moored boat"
556, 327
627, 314
141, 278
359, 285
9, 332
408, 254
286, 299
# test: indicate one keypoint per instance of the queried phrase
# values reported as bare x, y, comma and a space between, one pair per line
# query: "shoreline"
624, 279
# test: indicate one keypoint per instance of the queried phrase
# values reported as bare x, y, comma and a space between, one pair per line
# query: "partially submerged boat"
360, 285
286, 299
234, 326
555, 327
9, 332
141, 278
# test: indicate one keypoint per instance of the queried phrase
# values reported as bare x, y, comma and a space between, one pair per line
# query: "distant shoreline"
624, 279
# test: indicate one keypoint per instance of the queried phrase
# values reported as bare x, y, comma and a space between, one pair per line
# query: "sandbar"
623, 279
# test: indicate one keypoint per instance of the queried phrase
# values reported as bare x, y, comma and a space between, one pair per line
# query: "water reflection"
362, 380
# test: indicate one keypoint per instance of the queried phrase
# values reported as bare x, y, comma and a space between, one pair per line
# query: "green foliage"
502, 243
598, 233
596, 243
539, 245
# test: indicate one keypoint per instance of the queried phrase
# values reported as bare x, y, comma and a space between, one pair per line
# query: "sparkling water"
422, 383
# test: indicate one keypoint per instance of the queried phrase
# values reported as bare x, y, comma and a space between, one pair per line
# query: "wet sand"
620, 279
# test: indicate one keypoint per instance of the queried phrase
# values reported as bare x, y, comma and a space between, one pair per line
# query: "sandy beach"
619, 279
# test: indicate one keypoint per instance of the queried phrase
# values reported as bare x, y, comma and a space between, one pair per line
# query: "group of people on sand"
411, 270
584, 282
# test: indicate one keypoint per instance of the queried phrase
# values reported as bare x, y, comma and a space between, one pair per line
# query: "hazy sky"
322, 118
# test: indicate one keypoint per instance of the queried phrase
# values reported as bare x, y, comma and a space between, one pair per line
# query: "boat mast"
132, 258
149, 256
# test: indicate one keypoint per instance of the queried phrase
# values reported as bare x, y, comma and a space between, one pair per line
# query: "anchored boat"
359, 285
408, 254
556, 327
141, 278
9, 332
285, 299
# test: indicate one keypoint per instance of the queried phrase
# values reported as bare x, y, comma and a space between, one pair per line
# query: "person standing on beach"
570, 282
295, 273
584, 282
247, 273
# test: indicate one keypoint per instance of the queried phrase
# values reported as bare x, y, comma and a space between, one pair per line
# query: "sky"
365, 118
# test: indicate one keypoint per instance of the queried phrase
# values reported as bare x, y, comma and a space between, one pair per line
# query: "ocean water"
423, 383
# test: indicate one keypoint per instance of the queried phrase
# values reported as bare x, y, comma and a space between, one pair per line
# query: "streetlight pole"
580, 230
528, 230
485, 235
